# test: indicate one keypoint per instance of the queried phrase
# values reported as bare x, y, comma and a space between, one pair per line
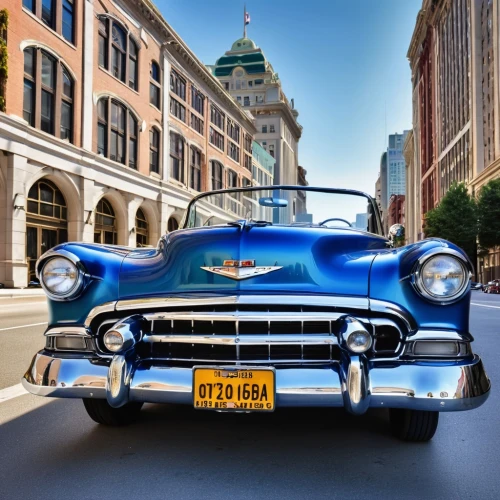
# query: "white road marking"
22, 326
484, 305
12, 392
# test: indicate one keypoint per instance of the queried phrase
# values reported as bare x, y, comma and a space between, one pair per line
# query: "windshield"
308, 207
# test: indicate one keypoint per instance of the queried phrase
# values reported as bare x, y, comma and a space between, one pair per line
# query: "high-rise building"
454, 57
250, 78
110, 126
396, 166
262, 166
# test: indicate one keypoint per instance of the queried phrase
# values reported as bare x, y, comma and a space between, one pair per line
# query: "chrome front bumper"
355, 383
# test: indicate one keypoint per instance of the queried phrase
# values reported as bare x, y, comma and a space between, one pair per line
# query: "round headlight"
443, 277
359, 341
60, 277
113, 340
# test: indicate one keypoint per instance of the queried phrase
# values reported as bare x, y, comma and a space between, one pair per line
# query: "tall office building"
454, 57
396, 165
250, 78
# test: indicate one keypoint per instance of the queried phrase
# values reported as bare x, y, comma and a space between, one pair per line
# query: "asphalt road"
50, 449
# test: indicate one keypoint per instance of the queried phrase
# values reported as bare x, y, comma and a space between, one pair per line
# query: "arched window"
123, 63
116, 132
141, 229
217, 175
48, 94
154, 150
232, 179
195, 169
105, 223
155, 85
217, 181
172, 224
177, 157
46, 221
60, 20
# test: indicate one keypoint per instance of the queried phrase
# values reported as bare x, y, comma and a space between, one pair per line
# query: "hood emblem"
240, 269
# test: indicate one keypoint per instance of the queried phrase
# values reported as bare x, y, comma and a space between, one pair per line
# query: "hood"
311, 260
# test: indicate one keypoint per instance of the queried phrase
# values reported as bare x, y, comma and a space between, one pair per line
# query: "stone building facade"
111, 125
250, 78
454, 56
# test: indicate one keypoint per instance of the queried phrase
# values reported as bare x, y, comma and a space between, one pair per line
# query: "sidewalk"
11, 293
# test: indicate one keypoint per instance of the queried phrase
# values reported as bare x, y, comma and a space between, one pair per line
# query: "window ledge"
234, 161
55, 33
195, 113
215, 147
104, 70
177, 183
178, 120
178, 98
155, 107
155, 175
196, 132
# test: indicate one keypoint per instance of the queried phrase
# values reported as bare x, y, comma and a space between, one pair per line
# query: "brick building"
454, 57
111, 125
396, 210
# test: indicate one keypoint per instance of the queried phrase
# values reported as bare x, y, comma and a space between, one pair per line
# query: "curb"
12, 293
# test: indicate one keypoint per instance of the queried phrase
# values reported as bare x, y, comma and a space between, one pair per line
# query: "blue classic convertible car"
267, 297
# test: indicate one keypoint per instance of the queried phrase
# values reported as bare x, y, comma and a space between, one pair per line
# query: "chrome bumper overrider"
355, 383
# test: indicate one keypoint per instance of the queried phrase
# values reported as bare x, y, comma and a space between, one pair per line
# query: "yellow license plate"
233, 389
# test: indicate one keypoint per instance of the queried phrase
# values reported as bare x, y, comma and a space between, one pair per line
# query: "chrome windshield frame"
352, 192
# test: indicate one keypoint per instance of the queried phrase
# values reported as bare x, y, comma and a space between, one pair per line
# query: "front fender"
390, 280
103, 263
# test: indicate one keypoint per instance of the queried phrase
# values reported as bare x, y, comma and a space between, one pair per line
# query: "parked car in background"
492, 287
267, 297
476, 286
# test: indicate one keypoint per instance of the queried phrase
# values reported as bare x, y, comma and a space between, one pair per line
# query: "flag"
247, 18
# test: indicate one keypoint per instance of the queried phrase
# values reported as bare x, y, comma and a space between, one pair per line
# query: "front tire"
414, 425
100, 411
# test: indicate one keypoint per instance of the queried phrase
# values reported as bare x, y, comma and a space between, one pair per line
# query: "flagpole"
244, 21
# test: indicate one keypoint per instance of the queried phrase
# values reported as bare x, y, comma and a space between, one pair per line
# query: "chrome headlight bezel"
417, 278
80, 282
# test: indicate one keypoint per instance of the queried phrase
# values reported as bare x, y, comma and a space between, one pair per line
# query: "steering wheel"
331, 220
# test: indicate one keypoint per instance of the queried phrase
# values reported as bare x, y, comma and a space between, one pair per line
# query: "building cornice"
427, 16
173, 42
492, 171
418, 35
280, 106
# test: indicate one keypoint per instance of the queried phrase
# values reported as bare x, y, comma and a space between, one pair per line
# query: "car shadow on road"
300, 453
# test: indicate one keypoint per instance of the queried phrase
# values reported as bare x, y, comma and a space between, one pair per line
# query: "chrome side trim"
67, 331
245, 316
305, 300
103, 308
272, 339
237, 361
439, 335
390, 308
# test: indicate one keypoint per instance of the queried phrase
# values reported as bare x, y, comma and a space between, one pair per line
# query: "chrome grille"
258, 334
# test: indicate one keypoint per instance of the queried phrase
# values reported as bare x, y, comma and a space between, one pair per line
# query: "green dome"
243, 44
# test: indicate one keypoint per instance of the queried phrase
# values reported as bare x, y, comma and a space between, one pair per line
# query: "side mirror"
273, 202
397, 235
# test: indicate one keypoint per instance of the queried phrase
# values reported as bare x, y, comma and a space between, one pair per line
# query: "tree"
455, 219
488, 214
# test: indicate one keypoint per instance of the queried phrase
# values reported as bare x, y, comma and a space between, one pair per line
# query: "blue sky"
343, 61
